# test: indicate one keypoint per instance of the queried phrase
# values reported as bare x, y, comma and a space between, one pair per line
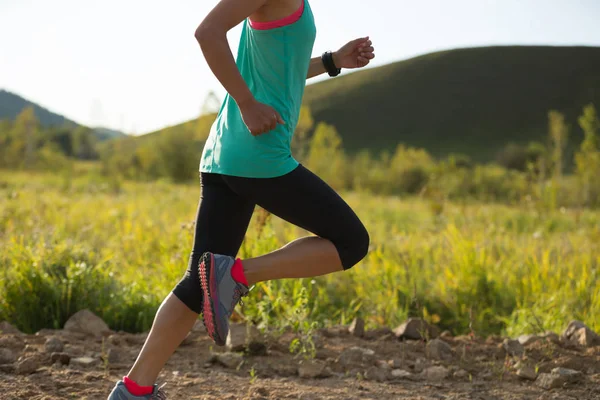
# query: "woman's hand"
355, 54
258, 117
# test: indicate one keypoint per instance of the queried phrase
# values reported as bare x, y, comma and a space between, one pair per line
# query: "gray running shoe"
221, 294
120, 392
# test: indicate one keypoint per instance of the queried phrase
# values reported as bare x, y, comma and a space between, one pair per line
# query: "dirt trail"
376, 365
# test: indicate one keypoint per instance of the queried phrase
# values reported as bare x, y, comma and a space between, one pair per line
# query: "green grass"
119, 247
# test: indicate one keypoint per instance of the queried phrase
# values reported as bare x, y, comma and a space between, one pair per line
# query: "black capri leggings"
299, 197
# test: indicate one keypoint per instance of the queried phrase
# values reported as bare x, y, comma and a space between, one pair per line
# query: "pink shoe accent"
135, 389
237, 272
207, 315
263, 26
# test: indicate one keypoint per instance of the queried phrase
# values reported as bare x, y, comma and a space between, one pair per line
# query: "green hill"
12, 104
471, 101
106, 133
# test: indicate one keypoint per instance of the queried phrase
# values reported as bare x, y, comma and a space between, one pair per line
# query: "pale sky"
135, 66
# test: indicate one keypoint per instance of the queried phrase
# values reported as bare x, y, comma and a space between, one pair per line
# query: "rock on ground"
527, 372
439, 350
356, 355
416, 329
400, 373
357, 328
311, 369
526, 340
572, 328
54, 345
513, 347
570, 375
229, 360
14, 343
420, 364
461, 374
112, 356
29, 365
7, 356
579, 333
558, 378
84, 361
6, 329
437, 373
376, 374
62, 358
549, 381
85, 321
585, 337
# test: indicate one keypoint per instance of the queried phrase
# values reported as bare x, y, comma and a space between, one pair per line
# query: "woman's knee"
356, 247
188, 289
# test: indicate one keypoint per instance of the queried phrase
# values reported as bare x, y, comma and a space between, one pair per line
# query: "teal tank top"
274, 64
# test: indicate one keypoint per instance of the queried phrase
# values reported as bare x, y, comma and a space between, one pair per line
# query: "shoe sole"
211, 314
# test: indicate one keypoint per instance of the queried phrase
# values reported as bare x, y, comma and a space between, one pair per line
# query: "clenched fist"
258, 117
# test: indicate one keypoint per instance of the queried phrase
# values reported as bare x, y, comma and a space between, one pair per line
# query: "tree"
178, 155
558, 137
20, 151
590, 124
587, 160
409, 169
83, 143
5, 129
61, 137
301, 140
326, 157
513, 156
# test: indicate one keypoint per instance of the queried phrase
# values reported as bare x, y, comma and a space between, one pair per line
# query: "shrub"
44, 291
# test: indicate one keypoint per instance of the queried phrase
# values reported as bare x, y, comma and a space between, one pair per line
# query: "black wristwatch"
327, 59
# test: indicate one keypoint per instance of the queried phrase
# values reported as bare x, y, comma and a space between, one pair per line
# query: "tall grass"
119, 247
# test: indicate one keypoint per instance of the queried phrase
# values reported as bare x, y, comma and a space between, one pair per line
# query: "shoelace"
237, 297
160, 394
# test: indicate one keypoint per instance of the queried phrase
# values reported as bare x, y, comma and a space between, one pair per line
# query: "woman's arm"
354, 54
212, 37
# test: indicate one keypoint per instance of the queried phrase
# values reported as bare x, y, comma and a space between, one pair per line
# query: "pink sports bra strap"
280, 22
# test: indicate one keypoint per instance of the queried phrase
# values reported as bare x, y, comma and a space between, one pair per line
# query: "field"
118, 248
72, 242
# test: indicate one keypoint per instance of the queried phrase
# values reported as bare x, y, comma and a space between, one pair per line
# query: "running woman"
246, 162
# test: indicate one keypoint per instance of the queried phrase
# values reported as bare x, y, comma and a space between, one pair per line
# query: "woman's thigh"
305, 200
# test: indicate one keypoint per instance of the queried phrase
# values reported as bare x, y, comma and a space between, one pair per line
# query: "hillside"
471, 101
12, 104
106, 133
